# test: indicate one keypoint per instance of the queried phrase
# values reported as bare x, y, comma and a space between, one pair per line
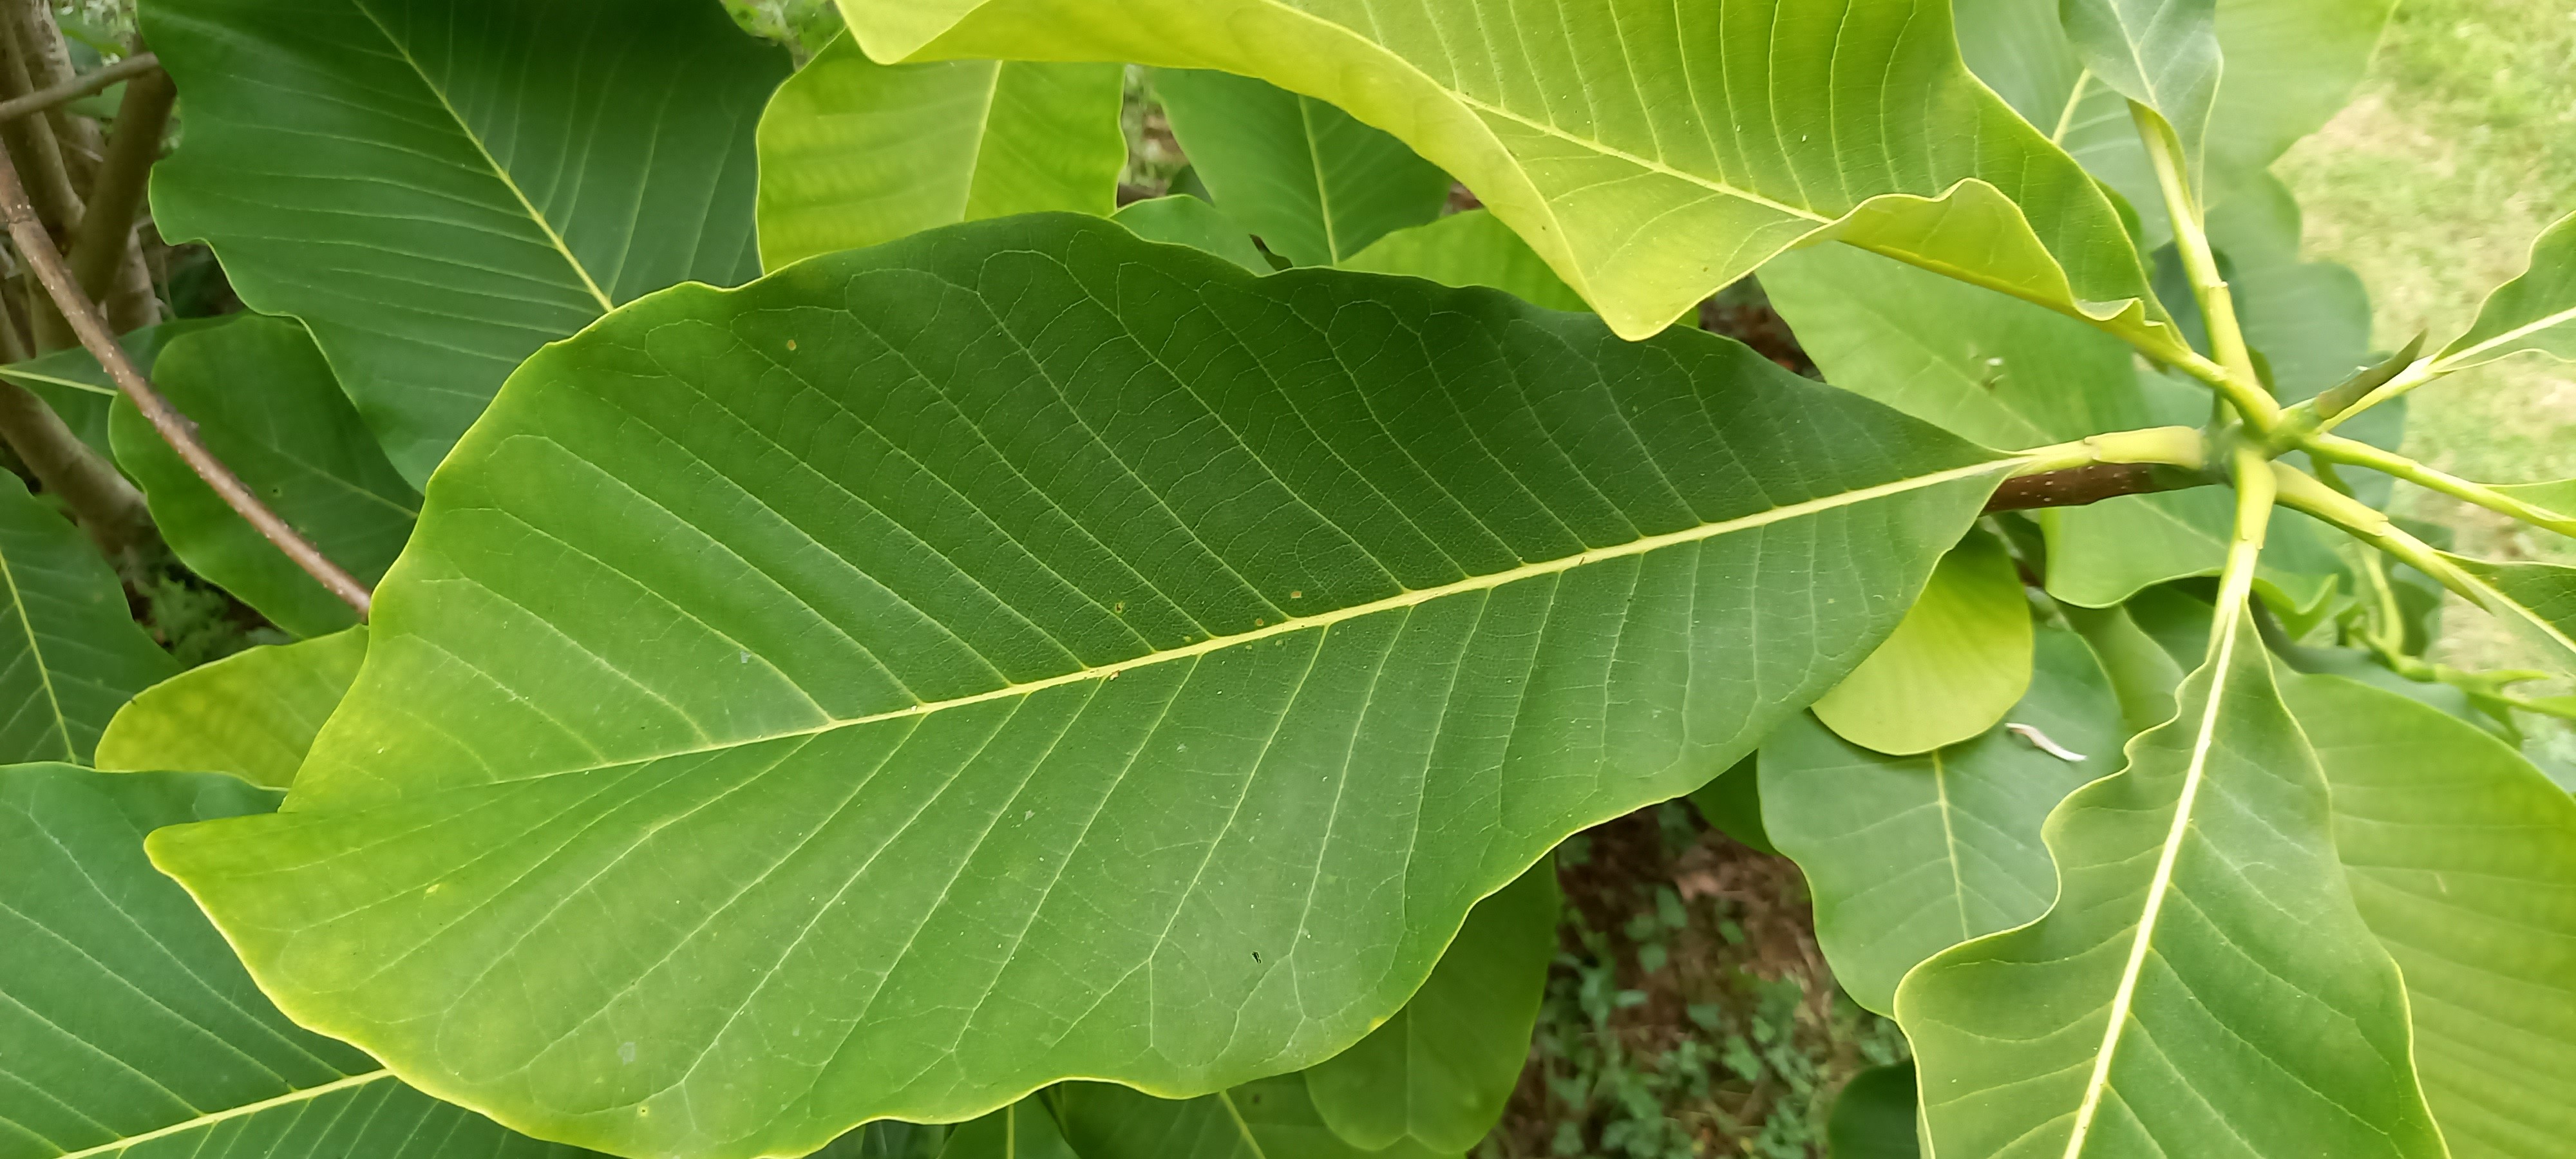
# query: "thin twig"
79, 86
37, 248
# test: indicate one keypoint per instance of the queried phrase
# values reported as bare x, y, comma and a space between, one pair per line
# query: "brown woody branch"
2078, 486
79, 86
36, 246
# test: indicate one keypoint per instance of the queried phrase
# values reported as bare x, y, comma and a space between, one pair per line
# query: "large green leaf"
252, 714
854, 153
69, 650
1023, 1130
1994, 369
1267, 1119
2309, 320
1439, 1072
78, 388
982, 647
439, 187
1650, 155
265, 403
2534, 312
1953, 667
1468, 249
1909, 856
2463, 859
2203, 985
129, 1029
1184, 220
1315, 185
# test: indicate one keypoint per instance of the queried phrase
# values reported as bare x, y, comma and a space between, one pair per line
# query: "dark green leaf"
439, 187
1184, 220
1315, 185
69, 650
770, 635
1909, 856
1469, 249
2203, 985
1266, 1119
266, 404
1873, 1116
77, 387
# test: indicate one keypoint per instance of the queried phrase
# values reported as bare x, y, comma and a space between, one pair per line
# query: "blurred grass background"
2457, 150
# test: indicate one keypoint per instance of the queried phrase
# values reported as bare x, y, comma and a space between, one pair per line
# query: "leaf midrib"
211, 1118
1111, 671
36, 653
499, 173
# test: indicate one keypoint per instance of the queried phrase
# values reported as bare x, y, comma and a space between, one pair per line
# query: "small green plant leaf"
2103, 553
2143, 674
1909, 856
2534, 312
2310, 319
73, 383
130, 1029
2462, 857
70, 652
252, 714
1873, 1116
2161, 54
854, 153
1184, 220
1733, 804
1263, 1119
1439, 1072
1473, 248
404, 177
265, 402
1954, 667
2203, 983
1043, 612
1315, 185
1647, 181
1982, 365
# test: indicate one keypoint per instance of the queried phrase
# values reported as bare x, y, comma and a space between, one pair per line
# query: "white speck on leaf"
746, 659
2039, 740
626, 1052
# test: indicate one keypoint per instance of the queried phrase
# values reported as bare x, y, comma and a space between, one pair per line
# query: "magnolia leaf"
1440, 1071
1185, 220
2161, 54
2536, 602
1733, 803
1315, 185
2289, 66
129, 1027
1985, 366
1265, 1119
266, 404
2203, 985
1954, 666
1469, 249
406, 179
73, 383
2310, 320
252, 714
1909, 856
1035, 648
1023, 1130
1873, 1116
70, 652
2103, 553
2534, 312
1648, 179
2142, 673
854, 153
895, 1139
2462, 857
